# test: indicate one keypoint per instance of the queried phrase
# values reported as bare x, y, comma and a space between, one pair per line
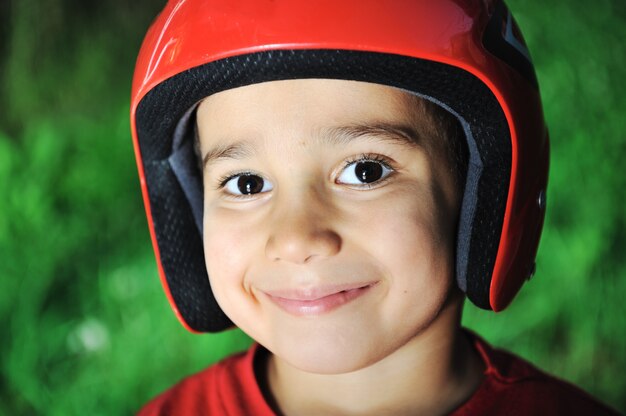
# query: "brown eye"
247, 184
364, 172
250, 184
368, 172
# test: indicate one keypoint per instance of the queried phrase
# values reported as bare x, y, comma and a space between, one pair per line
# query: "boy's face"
329, 218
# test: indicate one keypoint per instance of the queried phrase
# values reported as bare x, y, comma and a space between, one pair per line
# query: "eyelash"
372, 157
368, 157
222, 181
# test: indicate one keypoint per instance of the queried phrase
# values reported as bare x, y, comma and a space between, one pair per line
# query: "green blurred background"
84, 325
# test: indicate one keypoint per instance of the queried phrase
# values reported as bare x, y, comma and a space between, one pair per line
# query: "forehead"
273, 117
312, 103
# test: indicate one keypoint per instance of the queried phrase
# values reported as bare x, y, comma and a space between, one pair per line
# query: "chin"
330, 358
329, 351
352, 349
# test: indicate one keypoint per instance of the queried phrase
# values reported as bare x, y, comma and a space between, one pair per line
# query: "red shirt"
511, 386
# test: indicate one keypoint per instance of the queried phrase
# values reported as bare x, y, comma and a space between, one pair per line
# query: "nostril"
302, 246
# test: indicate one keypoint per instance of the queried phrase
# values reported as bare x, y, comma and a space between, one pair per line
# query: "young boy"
334, 178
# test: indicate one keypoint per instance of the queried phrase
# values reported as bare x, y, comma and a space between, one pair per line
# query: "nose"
301, 231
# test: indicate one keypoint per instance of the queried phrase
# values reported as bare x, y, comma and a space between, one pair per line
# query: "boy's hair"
464, 57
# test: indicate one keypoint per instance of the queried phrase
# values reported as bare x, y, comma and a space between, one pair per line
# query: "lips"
318, 300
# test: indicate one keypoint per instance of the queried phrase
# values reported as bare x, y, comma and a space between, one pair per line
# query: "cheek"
221, 251
227, 255
415, 251
410, 232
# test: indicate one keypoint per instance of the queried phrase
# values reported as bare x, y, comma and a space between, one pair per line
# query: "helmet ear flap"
186, 167
176, 199
181, 253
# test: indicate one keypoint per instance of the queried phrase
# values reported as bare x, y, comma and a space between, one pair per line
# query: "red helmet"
467, 56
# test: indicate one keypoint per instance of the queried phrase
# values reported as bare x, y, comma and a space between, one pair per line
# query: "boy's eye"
246, 184
364, 171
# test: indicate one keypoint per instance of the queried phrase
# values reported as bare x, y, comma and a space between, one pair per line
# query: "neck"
433, 373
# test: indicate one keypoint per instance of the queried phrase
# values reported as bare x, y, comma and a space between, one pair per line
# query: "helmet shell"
466, 55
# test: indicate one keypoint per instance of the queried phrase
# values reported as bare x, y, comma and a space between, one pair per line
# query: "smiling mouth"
317, 301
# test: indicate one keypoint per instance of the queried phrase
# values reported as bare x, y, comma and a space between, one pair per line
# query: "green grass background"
84, 325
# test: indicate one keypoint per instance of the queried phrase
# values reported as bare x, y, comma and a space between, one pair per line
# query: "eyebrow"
237, 150
399, 134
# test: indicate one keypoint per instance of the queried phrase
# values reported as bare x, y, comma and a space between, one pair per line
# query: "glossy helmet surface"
468, 56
